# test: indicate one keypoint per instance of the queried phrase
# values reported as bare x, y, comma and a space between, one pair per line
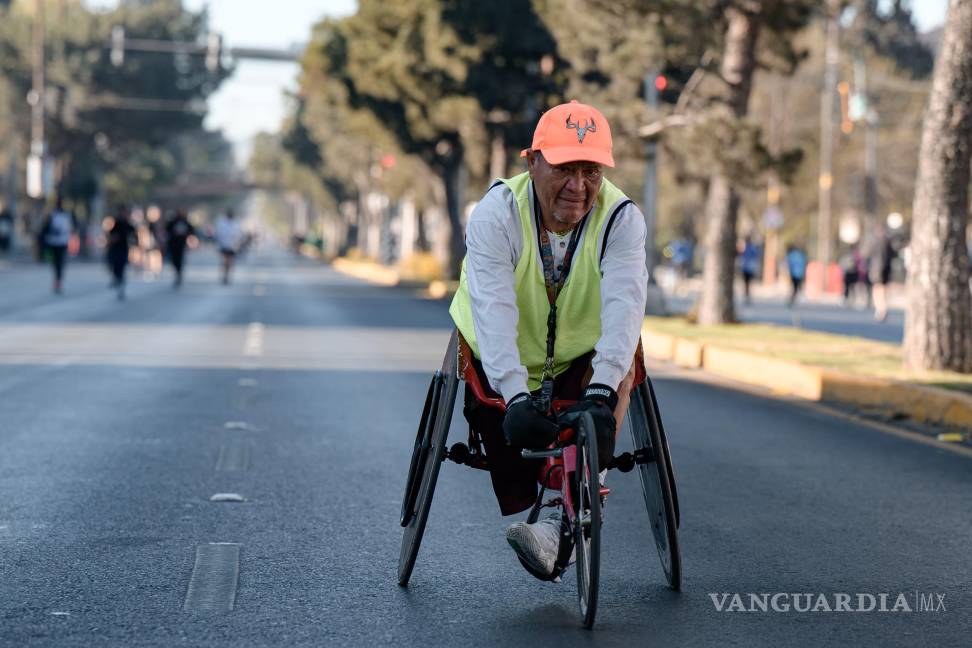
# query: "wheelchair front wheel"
427, 457
587, 519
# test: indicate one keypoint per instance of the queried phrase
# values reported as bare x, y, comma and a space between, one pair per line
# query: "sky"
253, 99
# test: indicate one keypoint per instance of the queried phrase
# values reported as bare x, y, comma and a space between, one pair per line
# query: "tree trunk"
452, 179
938, 321
721, 206
497, 155
722, 203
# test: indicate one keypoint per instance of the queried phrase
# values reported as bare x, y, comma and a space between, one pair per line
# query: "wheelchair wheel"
668, 455
655, 482
427, 457
587, 519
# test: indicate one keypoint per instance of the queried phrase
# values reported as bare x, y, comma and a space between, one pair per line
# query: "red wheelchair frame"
580, 491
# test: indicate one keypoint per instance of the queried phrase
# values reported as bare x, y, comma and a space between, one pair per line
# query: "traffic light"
117, 45
670, 82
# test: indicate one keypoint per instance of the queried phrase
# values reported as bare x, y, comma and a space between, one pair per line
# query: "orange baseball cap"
573, 132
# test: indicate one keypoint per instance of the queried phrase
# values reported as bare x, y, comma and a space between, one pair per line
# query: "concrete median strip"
922, 404
372, 272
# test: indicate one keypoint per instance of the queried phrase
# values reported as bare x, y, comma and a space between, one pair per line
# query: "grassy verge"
853, 355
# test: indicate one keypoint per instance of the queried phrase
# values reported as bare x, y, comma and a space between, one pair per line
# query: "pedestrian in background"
56, 235
121, 236
155, 241
796, 264
749, 264
6, 228
228, 235
177, 231
881, 255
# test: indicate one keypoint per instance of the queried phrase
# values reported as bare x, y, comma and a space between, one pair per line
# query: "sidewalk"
861, 374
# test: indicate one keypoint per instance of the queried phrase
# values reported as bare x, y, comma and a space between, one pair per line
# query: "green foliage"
888, 30
430, 82
123, 121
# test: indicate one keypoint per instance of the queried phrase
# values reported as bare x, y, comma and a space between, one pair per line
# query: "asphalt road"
298, 390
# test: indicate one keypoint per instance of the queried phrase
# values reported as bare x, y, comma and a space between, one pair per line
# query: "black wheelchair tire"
420, 451
426, 469
668, 455
588, 488
655, 484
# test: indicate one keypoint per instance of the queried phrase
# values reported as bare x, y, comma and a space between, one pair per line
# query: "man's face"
565, 192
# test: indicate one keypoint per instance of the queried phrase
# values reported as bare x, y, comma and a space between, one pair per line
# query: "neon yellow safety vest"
579, 302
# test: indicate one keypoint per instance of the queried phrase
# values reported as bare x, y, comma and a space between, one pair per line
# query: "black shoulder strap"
494, 185
607, 230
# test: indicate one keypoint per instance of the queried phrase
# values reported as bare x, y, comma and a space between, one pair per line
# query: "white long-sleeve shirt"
494, 243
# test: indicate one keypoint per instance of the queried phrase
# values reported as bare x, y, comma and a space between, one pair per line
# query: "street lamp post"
650, 189
656, 298
37, 164
826, 179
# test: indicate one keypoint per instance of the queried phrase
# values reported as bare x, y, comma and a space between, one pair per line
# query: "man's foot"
536, 544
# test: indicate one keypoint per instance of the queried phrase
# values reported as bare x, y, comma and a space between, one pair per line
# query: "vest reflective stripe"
579, 303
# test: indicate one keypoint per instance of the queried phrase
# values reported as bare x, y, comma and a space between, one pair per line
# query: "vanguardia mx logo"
828, 602
582, 130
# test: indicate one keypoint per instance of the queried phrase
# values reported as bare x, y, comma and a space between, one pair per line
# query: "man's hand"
525, 426
600, 401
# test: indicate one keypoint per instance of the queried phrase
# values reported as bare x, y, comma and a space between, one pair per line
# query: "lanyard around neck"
553, 286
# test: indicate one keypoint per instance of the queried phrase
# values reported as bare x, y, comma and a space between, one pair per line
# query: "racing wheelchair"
568, 466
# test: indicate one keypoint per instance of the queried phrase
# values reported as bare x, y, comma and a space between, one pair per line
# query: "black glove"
600, 401
525, 426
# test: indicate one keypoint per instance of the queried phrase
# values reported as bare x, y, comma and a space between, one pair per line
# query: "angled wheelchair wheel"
587, 520
656, 485
668, 455
427, 456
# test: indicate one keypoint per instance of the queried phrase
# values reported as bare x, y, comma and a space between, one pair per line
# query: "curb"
920, 403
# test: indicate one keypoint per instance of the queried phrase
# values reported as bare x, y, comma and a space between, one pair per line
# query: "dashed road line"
233, 457
253, 346
215, 575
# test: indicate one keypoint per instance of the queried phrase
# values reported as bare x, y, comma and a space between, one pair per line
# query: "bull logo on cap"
582, 130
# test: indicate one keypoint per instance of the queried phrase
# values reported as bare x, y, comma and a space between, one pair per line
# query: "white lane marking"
238, 425
215, 575
247, 382
388, 349
233, 457
227, 497
253, 346
60, 614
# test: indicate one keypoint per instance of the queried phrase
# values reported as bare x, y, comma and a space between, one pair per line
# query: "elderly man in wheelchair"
549, 310
551, 301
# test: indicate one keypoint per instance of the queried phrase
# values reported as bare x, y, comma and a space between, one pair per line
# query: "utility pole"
863, 110
826, 180
773, 215
37, 165
656, 298
649, 192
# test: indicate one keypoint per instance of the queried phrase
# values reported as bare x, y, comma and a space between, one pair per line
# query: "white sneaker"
536, 544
